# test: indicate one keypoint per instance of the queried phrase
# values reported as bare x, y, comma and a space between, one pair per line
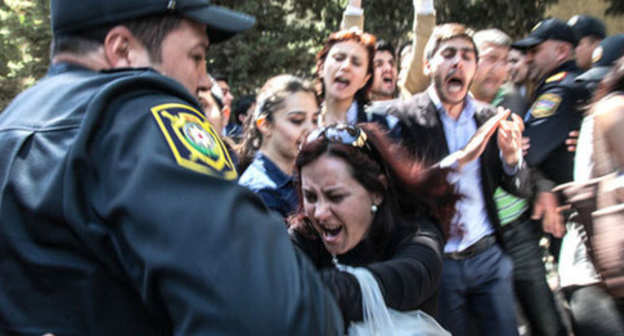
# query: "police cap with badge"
556, 109
194, 144
549, 29
70, 16
585, 25
604, 58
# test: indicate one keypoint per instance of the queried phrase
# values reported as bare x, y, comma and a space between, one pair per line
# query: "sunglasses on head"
341, 133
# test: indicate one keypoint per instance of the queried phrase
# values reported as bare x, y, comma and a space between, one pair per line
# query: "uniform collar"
566, 66
62, 67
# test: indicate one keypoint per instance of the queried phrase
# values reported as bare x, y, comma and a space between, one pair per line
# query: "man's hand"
510, 139
476, 145
423, 4
545, 208
572, 140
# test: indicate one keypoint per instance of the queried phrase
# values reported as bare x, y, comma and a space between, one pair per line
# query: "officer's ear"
124, 50
566, 50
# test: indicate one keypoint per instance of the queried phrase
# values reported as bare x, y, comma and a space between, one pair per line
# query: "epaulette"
557, 77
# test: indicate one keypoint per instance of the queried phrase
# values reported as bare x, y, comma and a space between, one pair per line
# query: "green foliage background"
285, 39
24, 45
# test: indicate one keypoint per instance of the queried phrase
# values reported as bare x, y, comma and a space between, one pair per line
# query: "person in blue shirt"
476, 273
287, 109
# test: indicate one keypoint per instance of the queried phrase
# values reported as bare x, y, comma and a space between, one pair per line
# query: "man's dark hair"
150, 30
220, 78
242, 106
383, 45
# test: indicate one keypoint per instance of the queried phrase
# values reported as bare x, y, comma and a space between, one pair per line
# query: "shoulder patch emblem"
545, 105
556, 78
193, 141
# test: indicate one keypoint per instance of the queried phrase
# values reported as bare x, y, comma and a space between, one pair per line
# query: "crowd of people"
139, 196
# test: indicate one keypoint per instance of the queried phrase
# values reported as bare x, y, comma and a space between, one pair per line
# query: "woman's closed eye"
336, 198
297, 121
310, 197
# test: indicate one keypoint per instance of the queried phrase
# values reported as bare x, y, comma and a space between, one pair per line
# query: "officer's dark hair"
383, 45
149, 30
594, 38
445, 32
220, 78
367, 41
270, 99
410, 187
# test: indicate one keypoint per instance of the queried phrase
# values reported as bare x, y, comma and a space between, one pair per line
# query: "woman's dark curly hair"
411, 188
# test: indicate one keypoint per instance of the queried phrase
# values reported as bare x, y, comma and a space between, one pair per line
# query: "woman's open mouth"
330, 232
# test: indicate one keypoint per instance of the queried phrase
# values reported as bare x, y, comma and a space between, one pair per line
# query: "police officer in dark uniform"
119, 210
556, 109
555, 112
604, 57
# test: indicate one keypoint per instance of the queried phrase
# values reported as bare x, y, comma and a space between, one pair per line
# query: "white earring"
374, 208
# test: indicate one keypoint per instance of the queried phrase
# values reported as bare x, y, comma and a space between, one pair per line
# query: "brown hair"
412, 189
270, 99
445, 32
353, 34
150, 30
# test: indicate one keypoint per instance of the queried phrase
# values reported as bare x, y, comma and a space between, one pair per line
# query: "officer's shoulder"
558, 78
135, 97
136, 90
146, 81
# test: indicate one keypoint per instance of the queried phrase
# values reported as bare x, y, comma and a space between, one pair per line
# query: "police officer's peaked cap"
585, 25
549, 29
603, 58
71, 16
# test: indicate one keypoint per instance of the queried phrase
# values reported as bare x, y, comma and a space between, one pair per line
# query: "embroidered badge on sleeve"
193, 141
545, 105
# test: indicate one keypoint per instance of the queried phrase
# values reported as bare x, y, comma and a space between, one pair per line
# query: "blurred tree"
514, 17
288, 35
24, 45
616, 7
286, 38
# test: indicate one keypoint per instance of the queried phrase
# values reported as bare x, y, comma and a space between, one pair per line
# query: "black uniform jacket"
422, 133
556, 111
120, 215
408, 272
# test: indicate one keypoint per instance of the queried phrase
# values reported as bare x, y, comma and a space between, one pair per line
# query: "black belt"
472, 250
